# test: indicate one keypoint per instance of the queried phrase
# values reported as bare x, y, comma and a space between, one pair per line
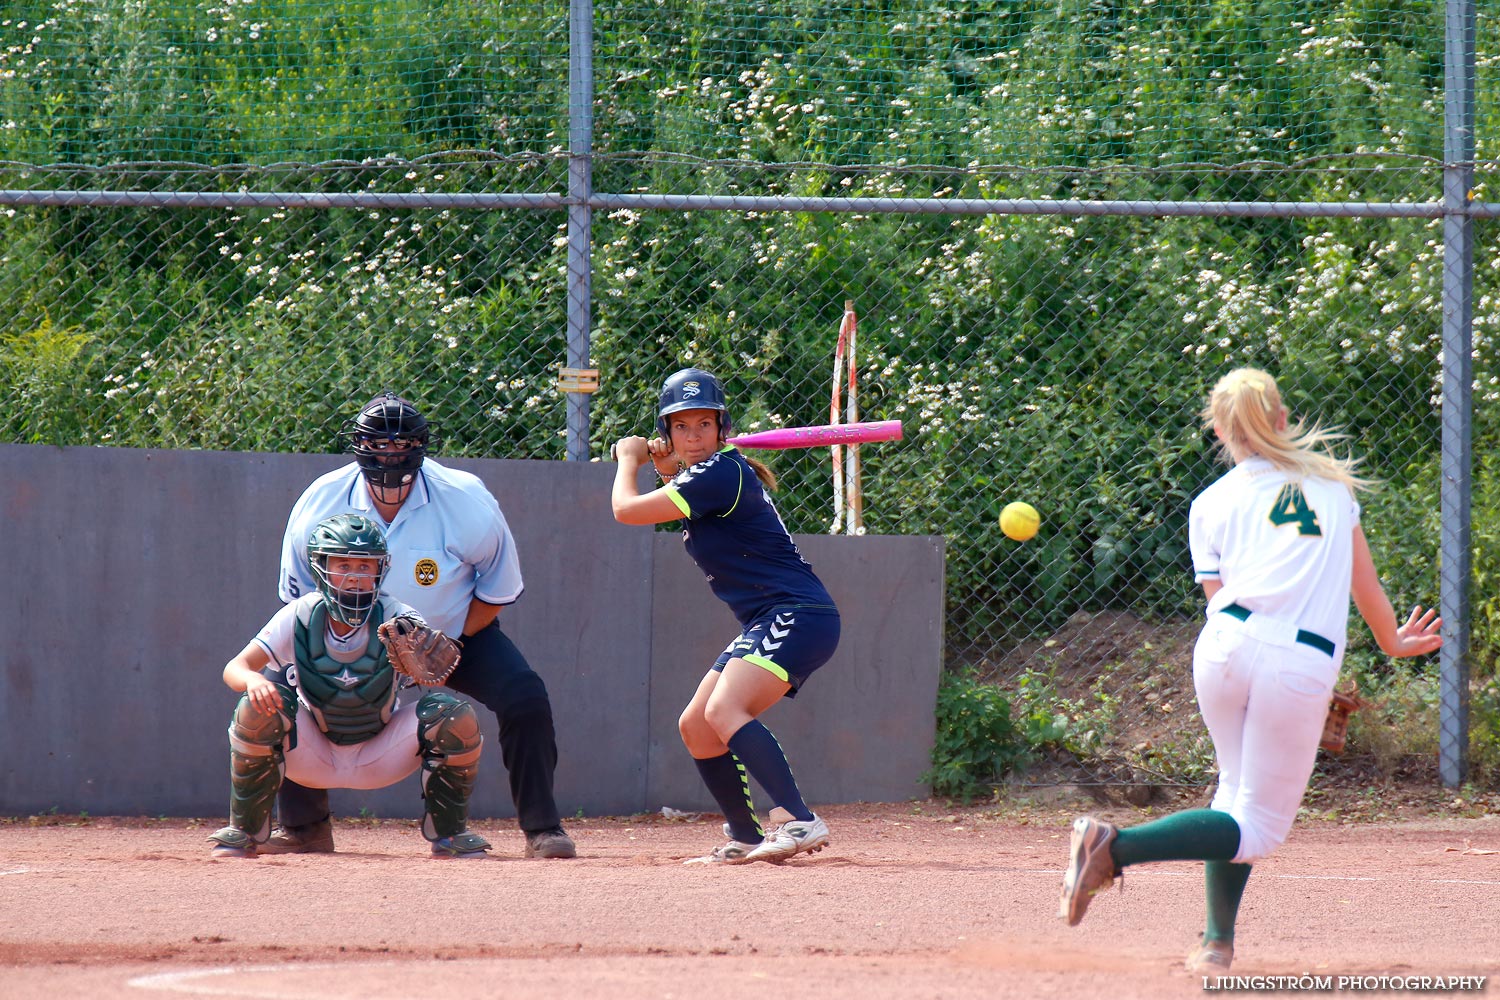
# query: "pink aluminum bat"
812, 437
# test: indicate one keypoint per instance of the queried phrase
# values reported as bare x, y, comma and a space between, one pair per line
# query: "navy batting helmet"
691, 389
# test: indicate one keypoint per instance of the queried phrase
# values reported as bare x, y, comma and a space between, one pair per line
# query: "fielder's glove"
1336, 725
419, 651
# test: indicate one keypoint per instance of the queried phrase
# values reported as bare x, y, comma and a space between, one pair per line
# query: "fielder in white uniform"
1277, 545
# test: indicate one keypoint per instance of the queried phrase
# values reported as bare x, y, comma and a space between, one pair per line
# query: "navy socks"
728, 784
764, 759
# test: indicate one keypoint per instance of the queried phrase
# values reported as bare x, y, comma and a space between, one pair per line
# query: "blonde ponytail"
1245, 407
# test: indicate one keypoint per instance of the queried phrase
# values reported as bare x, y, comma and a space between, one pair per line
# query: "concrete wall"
137, 574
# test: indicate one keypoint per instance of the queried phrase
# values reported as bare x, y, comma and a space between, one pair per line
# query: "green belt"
1305, 637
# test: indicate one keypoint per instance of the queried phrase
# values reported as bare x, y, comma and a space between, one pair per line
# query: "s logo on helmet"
426, 572
689, 390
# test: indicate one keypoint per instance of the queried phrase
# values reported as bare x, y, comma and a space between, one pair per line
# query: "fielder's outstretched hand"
1420, 634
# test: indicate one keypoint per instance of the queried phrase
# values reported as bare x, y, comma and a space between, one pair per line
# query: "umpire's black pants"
493, 672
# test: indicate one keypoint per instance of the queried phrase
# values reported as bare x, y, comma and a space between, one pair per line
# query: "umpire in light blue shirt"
454, 560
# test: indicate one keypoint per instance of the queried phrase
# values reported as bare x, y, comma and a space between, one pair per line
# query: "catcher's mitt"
1336, 725
418, 650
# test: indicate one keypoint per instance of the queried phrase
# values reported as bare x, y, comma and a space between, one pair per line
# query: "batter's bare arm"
1420, 633
630, 507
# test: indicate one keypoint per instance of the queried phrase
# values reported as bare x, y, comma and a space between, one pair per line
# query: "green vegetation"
985, 735
980, 738
953, 83
1058, 360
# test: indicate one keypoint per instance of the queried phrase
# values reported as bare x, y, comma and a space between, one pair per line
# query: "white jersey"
1280, 547
449, 542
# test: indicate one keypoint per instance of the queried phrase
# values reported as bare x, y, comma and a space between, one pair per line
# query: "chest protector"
350, 701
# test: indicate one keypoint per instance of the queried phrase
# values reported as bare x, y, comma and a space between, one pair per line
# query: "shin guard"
450, 742
256, 763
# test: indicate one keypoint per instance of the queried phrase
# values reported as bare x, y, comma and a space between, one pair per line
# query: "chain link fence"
226, 224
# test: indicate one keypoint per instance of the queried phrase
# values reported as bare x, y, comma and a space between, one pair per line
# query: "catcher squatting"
351, 658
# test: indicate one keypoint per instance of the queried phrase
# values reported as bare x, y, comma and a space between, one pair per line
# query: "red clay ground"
913, 900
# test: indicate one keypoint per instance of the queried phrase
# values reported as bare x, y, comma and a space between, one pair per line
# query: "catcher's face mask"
349, 562
353, 582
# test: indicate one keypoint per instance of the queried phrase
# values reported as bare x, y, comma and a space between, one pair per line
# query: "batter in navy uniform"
789, 626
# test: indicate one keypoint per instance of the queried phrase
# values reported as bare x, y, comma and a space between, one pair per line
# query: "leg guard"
256, 764
450, 741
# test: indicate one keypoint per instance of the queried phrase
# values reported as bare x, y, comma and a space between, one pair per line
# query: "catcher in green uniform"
333, 699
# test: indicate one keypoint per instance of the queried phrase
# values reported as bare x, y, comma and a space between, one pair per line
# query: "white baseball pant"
379, 761
1264, 697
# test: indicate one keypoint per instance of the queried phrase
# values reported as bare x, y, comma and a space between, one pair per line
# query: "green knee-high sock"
1194, 835
1224, 885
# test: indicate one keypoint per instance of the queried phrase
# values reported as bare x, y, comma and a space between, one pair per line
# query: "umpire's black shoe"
553, 843
315, 838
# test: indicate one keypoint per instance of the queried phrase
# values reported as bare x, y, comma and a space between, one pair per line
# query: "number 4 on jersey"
1291, 507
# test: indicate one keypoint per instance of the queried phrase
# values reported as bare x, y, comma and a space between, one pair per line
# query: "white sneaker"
800, 836
732, 853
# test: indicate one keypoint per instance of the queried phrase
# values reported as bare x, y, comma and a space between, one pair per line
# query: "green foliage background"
1061, 360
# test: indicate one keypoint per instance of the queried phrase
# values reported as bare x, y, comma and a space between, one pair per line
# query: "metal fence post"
580, 215
1458, 380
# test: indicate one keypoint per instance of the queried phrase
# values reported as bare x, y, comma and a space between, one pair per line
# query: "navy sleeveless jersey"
736, 537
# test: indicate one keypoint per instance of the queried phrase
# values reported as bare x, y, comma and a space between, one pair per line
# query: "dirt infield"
913, 900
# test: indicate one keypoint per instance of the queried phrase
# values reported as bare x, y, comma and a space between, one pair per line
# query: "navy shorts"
789, 642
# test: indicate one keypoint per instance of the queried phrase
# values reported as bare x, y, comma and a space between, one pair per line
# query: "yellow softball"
1019, 521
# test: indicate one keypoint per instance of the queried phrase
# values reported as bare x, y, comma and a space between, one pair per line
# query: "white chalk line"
182, 982
15, 871
188, 980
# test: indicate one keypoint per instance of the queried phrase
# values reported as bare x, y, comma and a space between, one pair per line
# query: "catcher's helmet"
352, 536
389, 439
691, 389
